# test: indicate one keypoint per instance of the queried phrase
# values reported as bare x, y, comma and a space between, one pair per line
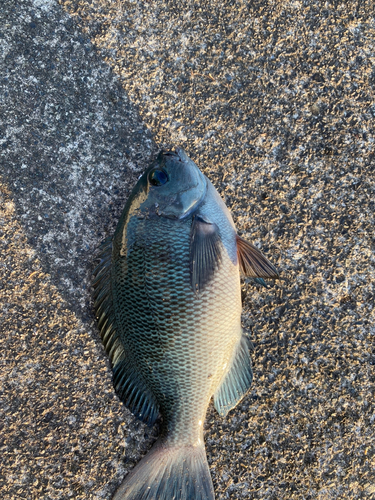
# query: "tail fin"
169, 473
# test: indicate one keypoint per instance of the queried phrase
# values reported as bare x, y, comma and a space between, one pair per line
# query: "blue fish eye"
158, 177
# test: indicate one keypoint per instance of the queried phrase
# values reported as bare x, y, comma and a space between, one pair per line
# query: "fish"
167, 296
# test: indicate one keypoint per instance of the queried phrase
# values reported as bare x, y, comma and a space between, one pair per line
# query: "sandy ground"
275, 102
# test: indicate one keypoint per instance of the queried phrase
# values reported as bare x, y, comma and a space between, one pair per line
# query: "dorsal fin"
129, 384
252, 262
134, 392
205, 252
260, 281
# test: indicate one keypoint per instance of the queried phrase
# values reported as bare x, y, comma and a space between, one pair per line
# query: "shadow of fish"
168, 302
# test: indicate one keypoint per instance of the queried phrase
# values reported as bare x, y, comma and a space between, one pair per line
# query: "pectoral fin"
252, 262
205, 252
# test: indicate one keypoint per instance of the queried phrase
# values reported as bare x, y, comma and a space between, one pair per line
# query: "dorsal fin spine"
129, 383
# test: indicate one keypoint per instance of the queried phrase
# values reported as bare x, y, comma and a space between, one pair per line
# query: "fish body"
168, 302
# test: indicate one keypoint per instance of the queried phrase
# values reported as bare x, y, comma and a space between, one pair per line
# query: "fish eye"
158, 177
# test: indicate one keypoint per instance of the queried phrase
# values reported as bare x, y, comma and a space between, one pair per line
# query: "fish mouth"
177, 153
192, 189
180, 154
170, 152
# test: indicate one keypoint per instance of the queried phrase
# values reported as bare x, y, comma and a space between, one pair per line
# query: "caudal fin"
169, 473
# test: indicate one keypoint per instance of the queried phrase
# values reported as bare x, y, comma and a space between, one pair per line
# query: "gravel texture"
275, 102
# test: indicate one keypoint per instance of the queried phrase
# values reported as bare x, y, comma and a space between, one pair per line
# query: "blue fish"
168, 303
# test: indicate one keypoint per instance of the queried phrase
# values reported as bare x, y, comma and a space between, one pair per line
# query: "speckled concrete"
275, 102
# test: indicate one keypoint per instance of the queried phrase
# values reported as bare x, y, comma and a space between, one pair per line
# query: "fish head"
172, 187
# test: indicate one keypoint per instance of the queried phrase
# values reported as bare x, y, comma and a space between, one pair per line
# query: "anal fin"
237, 381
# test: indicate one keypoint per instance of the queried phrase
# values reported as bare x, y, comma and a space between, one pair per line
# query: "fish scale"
188, 337
168, 302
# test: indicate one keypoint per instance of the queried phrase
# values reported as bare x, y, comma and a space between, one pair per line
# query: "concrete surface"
275, 102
